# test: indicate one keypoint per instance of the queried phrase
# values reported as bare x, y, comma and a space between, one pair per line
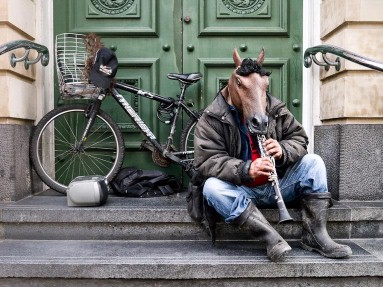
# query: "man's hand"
273, 148
261, 167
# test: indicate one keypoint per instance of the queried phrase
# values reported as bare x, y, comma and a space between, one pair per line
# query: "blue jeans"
229, 200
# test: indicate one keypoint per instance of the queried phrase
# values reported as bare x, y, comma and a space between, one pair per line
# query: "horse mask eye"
239, 83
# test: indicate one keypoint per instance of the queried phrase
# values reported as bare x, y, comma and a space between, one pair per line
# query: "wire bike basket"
71, 65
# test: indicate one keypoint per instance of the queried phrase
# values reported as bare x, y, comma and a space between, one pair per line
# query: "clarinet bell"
284, 215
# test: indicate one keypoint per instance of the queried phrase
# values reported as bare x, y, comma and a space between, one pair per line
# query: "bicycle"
86, 140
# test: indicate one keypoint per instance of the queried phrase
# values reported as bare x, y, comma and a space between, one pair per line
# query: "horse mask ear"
237, 59
261, 57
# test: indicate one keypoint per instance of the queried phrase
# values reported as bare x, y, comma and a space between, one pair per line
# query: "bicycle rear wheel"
187, 138
58, 133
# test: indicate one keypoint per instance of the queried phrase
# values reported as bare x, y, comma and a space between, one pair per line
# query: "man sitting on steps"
237, 179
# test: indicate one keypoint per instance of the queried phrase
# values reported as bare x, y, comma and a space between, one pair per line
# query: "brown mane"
93, 44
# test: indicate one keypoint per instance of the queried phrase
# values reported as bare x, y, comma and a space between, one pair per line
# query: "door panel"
217, 27
145, 35
133, 17
253, 17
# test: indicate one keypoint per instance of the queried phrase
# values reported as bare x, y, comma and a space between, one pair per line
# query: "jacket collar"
219, 107
275, 106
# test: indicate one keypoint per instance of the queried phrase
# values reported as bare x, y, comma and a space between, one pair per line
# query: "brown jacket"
217, 140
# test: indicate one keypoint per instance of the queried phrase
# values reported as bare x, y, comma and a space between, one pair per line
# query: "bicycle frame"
141, 125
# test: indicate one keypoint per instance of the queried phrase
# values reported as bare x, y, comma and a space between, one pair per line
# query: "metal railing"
43, 53
310, 56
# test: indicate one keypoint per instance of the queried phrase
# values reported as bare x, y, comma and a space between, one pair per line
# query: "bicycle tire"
187, 136
102, 153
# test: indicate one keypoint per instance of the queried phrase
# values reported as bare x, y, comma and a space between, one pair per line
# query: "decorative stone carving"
112, 7
243, 6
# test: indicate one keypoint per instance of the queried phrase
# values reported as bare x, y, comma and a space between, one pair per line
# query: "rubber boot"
315, 236
254, 220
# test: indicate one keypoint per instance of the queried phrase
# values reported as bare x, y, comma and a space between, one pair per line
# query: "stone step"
182, 263
47, 217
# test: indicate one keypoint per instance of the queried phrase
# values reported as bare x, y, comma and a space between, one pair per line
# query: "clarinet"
284, 215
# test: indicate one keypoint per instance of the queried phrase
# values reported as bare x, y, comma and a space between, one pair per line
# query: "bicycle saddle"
186, 78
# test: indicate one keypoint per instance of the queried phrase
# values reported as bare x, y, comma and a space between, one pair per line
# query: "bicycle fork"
91, 115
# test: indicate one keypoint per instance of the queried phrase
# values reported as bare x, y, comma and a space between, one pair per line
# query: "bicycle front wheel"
58, 159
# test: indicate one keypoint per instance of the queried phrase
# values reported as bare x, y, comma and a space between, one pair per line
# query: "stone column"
18, 97
350, 138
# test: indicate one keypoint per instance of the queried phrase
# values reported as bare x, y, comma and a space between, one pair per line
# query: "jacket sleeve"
211, 157
293, 140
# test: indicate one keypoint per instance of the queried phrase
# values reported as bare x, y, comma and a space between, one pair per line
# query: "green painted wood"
216, 27
153, 38
146, 37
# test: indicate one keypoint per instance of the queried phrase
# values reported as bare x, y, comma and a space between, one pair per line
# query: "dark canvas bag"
198, 208
133, 182
194, 198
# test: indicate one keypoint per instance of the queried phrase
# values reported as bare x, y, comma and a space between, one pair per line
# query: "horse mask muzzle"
258, 125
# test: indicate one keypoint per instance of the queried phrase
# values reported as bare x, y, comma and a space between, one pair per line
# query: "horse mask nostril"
255, 122
258, 124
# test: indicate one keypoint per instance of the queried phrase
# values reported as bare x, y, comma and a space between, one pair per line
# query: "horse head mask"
246, 90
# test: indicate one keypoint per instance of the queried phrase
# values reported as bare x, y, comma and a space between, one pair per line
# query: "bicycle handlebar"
27, 45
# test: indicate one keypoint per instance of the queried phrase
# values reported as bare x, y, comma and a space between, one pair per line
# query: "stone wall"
18, 93
351, 101
22, 92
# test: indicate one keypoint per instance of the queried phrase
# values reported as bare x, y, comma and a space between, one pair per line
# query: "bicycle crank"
157, 156
159, 159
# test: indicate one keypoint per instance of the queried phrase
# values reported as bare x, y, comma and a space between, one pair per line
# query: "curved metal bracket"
43, 53
310, 56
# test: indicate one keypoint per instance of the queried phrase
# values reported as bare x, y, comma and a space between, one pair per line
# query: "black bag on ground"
134, 182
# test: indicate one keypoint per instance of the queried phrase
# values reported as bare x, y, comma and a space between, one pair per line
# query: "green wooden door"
155, 37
